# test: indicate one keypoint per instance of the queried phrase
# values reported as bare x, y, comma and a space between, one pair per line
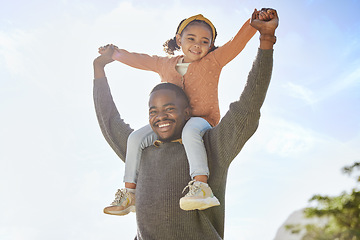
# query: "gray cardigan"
164, 170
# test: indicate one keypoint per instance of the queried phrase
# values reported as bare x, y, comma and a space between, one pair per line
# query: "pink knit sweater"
202, 77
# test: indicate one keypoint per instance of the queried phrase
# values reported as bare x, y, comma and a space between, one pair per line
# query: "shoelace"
193, 189
118, 197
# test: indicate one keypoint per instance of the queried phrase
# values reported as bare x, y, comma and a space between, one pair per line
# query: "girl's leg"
137, 141
199, 171
125, 198
195, 150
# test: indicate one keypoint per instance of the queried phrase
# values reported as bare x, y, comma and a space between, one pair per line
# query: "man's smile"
164, 125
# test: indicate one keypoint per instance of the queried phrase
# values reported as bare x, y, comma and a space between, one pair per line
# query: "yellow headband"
197, 17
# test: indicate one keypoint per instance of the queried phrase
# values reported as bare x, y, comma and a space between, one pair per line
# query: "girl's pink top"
200, 82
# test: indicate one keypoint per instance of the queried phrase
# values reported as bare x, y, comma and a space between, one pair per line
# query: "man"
163, 169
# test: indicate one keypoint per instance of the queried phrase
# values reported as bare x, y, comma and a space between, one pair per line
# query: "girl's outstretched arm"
137, 60
232, 48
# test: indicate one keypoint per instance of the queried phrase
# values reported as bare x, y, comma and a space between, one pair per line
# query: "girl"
197, 71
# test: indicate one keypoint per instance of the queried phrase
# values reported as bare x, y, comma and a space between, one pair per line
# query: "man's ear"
178, 39
187, 113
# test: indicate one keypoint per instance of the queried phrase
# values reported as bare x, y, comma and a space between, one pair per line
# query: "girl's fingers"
255, 14
103, 49
263, 15
266, 15
271, 13
274, 13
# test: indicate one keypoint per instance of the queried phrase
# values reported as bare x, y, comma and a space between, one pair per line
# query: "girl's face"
195, 41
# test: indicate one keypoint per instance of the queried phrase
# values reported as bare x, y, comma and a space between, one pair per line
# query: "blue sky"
56, 170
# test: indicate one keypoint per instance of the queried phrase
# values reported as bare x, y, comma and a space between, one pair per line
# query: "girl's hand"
102, 49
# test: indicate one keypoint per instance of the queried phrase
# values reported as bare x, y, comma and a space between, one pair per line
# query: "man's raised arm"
114, 129
242, 119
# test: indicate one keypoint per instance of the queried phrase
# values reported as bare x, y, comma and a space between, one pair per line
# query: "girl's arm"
137, 60
231, 49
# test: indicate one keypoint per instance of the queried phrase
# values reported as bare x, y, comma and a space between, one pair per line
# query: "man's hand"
105, 57
265, 21
101, 61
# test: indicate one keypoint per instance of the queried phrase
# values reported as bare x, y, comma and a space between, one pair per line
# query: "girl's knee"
190, 133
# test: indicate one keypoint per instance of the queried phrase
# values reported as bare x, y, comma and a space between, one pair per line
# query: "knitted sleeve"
242, 119
231, 49
138, 60
114, 129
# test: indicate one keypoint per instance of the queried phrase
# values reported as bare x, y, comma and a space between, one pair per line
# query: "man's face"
167, 114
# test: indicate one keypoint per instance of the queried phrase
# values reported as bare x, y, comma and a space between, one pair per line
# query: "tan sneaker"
123, 204
200, 196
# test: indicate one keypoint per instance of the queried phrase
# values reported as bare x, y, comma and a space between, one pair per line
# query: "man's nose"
161, 115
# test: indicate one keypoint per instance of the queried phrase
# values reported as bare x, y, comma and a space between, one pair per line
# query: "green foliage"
294, 228
342, 212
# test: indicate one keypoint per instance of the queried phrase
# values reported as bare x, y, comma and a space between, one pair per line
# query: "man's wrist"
268, 37
267, 41
99, 71
99, 64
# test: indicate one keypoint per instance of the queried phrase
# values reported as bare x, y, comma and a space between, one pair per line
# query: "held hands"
102, 49
265, 21
101, 61
105, 55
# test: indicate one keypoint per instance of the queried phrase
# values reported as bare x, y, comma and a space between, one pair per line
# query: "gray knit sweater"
164, 170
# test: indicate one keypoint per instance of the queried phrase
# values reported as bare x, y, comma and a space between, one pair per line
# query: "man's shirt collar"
157, 143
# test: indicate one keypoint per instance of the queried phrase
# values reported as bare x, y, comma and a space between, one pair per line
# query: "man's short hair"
170, 86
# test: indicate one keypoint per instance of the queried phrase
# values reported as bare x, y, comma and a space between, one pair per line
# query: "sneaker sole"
199, 204
121, 213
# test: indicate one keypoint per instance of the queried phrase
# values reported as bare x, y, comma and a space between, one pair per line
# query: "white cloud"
300, 92
18, 232
12, 47
350, 79
290, 140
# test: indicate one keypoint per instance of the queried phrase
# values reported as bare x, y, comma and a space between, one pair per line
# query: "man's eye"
191, 39
205, 42
169, 109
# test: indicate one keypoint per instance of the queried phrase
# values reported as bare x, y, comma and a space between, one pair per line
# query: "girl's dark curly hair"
170, 46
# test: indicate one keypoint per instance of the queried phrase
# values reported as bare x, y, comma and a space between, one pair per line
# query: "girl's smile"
195, 41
